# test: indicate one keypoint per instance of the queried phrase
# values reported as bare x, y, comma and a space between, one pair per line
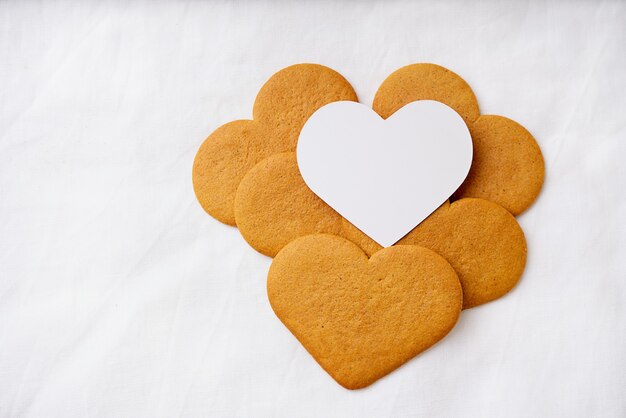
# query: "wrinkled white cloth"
120, 297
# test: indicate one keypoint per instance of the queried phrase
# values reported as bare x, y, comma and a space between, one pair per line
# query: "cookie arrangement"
362, 310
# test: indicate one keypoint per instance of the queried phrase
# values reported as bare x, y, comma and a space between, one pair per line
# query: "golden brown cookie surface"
282, 106
359, 318
293, 94
222, 161
507, 166
274, 206
425, 82
481, 240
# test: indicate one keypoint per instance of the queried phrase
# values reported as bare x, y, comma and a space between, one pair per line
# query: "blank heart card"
385, 176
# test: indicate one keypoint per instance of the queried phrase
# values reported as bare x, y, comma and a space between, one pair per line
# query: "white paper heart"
384, 176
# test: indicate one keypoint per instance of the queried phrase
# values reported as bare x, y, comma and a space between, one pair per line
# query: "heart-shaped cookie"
482, 241
267, 219
384, 176
362, 318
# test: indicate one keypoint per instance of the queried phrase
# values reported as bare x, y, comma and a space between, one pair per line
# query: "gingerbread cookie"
222, 161
481, 240
359, 318
507, 167
425, 82
293, 94
282, 106
273, 206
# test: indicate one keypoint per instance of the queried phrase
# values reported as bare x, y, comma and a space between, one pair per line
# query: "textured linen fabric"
120, 297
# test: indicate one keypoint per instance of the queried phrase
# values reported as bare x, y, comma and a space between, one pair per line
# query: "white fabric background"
120, 297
